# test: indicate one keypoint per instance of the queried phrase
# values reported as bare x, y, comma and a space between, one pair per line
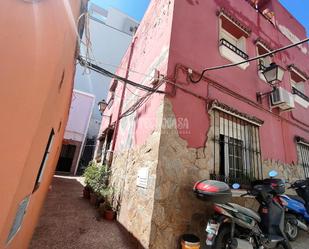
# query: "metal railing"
300, 94
233, 48
236, 147
303, 152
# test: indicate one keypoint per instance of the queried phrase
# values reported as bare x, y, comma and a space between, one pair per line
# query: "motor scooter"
236, 227
297, 209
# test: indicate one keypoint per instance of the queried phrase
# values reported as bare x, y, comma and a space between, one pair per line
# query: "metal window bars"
236, 50
303, 153
236, 150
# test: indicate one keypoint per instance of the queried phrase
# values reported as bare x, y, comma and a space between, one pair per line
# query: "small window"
232, 41
237, 154
266, 61
21, 211
263, 62
45, 159
297, 80
303, 156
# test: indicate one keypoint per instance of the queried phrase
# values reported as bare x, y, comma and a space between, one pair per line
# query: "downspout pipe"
122, 96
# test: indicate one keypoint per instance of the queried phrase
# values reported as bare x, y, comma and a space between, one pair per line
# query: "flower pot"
109, 214
86, 192
101, 209
94, 199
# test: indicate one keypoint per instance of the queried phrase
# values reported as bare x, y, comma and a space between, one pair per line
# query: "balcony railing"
234, 49
300, 94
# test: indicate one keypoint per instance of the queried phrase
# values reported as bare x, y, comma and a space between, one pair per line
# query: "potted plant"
90, 175
96, 177
86, 192
109, 211
104, 193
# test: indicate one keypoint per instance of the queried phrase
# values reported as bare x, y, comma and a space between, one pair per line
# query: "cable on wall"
107, 73
195, 81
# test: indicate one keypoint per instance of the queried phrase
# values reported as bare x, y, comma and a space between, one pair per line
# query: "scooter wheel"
291, 230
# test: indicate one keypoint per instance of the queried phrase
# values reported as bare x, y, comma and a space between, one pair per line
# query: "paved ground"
302, 242
69, 222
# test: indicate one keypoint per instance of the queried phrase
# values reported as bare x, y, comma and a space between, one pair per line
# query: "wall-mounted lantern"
102, 106
273, 74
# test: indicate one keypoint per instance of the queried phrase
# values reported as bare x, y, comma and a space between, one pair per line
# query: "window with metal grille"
236, 147
303, 155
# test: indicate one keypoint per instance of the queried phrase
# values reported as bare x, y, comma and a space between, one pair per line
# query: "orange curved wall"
38, 44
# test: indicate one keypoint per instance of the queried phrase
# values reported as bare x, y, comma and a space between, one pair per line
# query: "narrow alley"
70, 222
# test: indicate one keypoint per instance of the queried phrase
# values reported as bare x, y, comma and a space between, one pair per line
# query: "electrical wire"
140, 102
107, 73
130, 70
244, 61
133, 92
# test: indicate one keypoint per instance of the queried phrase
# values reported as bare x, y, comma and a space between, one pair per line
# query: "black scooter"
236, 227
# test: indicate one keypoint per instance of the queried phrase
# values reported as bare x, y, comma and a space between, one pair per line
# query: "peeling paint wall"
194, 44
150, 52
175, 142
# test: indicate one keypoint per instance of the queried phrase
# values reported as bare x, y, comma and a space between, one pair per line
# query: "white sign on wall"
142, 177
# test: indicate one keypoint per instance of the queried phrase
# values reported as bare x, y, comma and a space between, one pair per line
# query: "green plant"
96, 177
105, 192
90, 174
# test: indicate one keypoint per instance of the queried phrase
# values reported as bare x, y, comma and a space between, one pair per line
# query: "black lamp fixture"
273, 74
102, 106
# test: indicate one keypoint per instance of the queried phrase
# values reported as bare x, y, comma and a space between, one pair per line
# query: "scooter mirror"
236, 186
273, 173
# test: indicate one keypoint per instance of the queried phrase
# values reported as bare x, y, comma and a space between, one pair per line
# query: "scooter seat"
246, 211
297, 198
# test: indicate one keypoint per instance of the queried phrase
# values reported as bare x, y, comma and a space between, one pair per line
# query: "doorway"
66, 158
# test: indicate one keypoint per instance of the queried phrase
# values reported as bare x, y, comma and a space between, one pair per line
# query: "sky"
137, 8
134, 8
299, 9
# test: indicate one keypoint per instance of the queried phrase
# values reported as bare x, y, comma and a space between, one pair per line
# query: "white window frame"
240, 43
296, 85
269, 58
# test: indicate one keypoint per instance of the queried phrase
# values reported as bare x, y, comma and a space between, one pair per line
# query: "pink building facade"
220, 128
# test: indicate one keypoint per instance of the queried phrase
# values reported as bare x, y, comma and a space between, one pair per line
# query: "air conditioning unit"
282, 98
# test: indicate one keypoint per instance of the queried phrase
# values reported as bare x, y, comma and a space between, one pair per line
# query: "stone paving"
302, 242
69, 222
